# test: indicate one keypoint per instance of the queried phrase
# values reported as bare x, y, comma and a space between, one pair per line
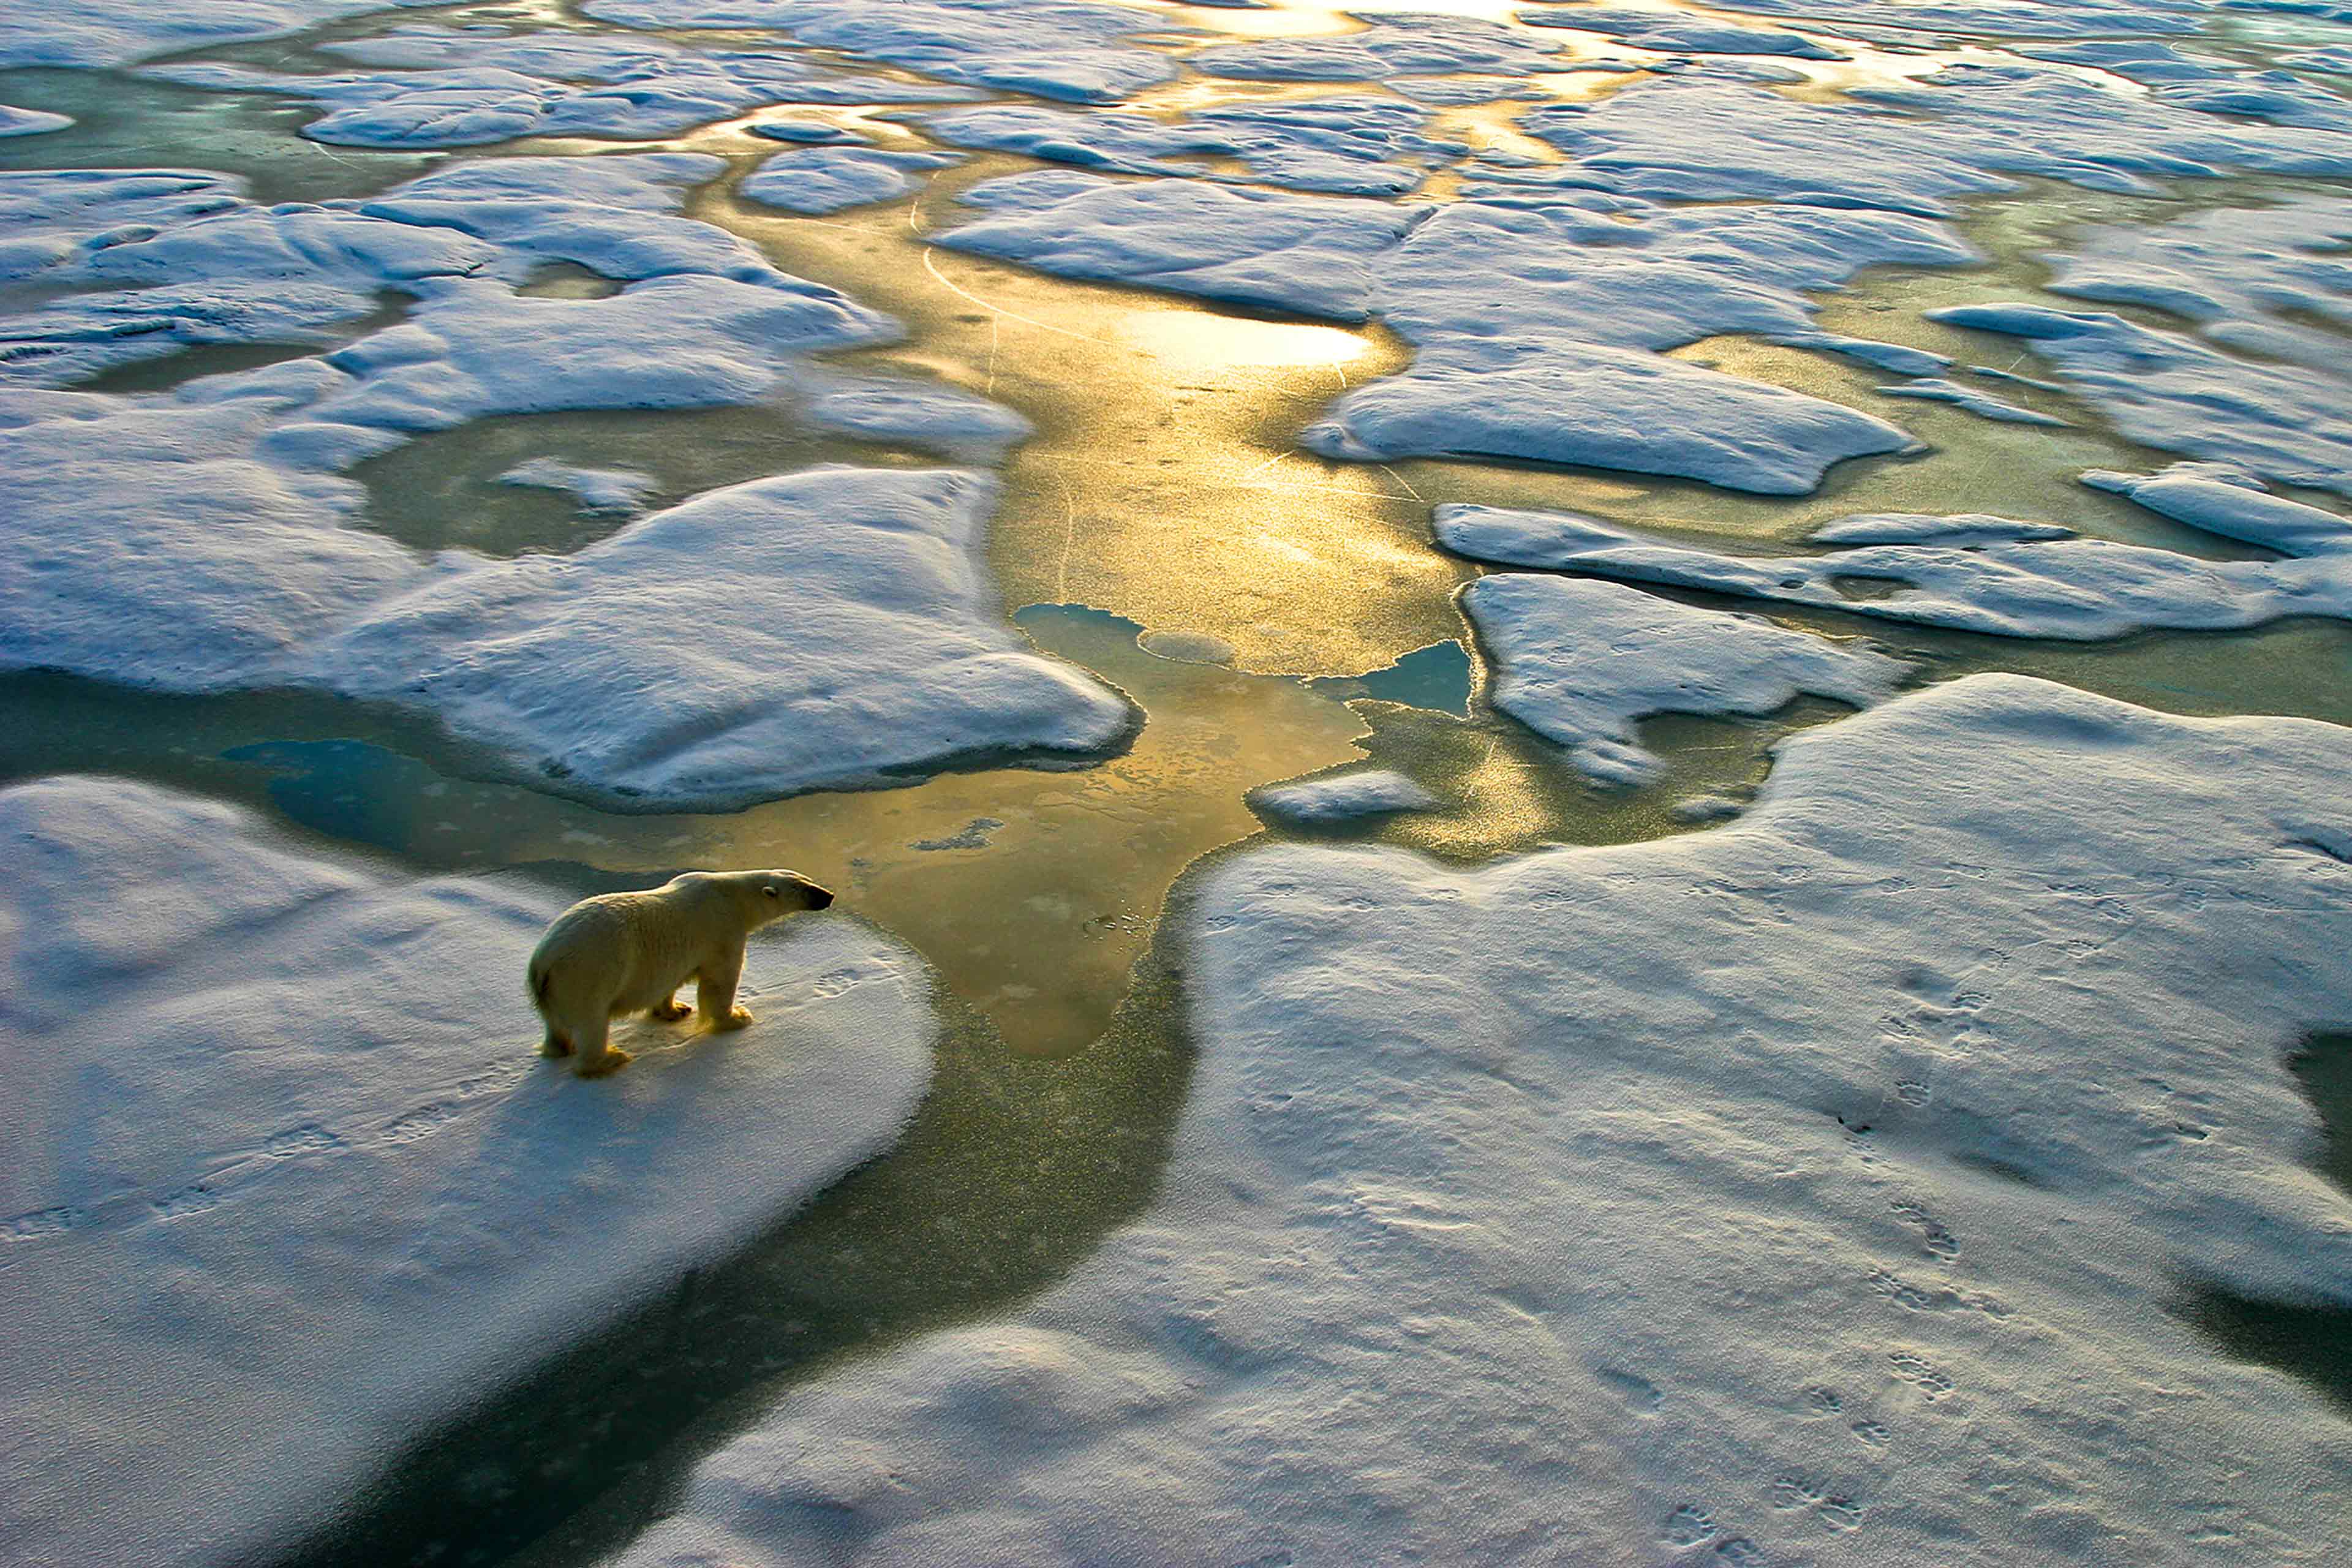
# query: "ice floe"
633, 91
1963, 132
1979, 574
1531, 322
817, 180
1253, 248
1580, 662
1351, 146
287, 1186
2166, 390
1428, 45
1666, 31
1342, 798
14, 121
1052, 49
1974, 399
595, 489
74, 33
1818, 1188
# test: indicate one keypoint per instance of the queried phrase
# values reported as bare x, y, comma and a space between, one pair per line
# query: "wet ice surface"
1687, 1196
2006, 580
287, 1186
1579, 662
1890, 1124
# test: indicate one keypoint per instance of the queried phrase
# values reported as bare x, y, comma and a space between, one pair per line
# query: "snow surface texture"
1053, 48
489, 85
595, 489
288, 1187
1983, 574
837, 627
2257, 383
14, 121
1533, 321
1810, 1190
1349, 146
1664, 31
76, 33
1911, 149
817, 180
1579, 662
813, 630
1343, 797
1428, 45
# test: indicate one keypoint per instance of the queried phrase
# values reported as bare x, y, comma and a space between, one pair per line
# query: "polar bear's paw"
735, 1018
613, 1060
555, 1046
668, 1011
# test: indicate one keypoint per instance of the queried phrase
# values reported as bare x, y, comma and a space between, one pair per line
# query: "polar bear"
629, 953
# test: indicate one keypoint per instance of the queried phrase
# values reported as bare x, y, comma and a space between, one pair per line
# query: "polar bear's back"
621, 944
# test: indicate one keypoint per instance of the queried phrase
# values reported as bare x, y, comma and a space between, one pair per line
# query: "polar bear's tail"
539, 976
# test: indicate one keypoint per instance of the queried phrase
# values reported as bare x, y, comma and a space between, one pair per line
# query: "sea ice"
1960, 132
287, 1186
595, 489
823, 629
1677, 32
1342, 798
75, 33
2282, 421
1428, 45
1052, 49
1351, 146
1974, 399
818, 180
14, 121
1530, 322
1313, 256
1977, 574
1580, 662
1819, 1188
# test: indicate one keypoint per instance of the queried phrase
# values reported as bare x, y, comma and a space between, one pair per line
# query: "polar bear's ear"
769, 890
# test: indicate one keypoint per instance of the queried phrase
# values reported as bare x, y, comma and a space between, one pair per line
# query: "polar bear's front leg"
714, 991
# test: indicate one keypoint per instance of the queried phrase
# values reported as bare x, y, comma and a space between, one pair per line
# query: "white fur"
629, 953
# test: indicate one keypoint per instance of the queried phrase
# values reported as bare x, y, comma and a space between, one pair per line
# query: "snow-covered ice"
14, 121
1976, 400
1666, 31
1351, 146
76, 33
1342, 798
595, 489
1579, 662
287, 1186
1426, 44
822, 630
818, 180
497, 86
1532, 322
1053, 48
1961, 132
1977, 574
1812, 1189
1311, 255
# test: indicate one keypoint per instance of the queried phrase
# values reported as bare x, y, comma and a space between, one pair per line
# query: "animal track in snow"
1641, 1396
308, 1139
1873, 1433
1922, 1373
1687, 1526
1938, 1240
1823, 1401
42, 1222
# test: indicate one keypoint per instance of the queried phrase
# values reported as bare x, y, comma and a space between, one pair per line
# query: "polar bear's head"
764, 896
